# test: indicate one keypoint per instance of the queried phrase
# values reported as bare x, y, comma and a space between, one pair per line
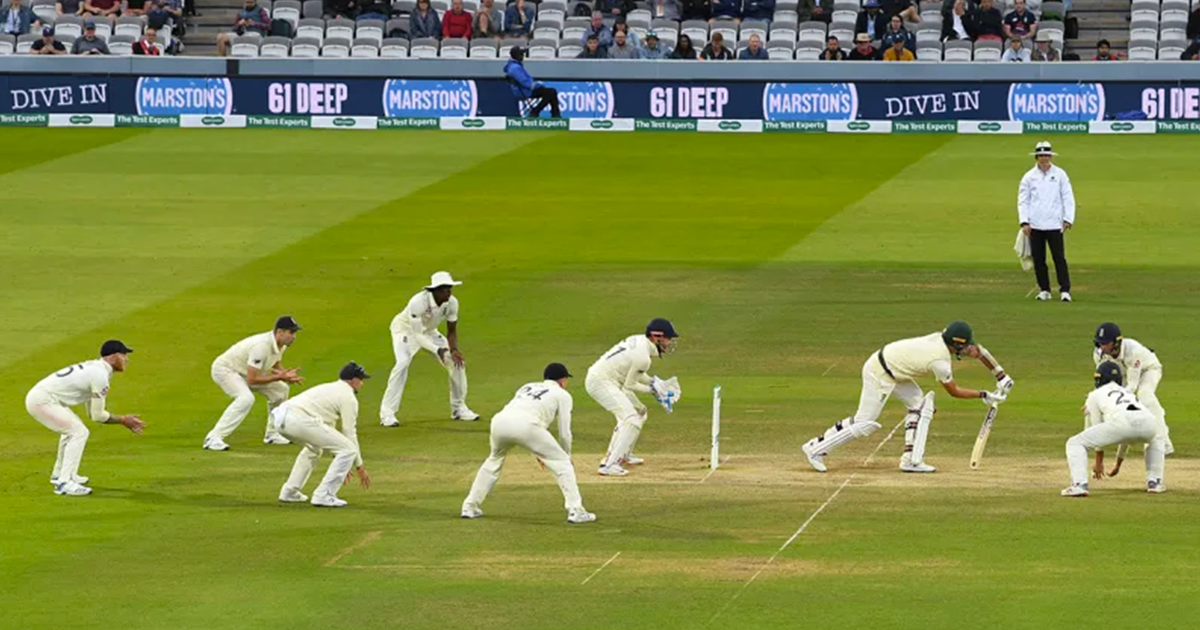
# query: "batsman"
894, 369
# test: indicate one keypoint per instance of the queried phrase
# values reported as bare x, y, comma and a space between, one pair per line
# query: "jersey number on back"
615, 352
67, 370
536, 395
1121, 399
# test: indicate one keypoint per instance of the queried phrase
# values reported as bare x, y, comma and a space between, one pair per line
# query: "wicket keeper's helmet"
661, 325
1107, 332
1108, 372
958, 335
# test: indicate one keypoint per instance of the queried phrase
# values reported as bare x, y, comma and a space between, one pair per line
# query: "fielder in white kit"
615, 380
253, 365
416, 328
50, 402
894, 369
1143, 372
311, 419
525, 421
1114, 416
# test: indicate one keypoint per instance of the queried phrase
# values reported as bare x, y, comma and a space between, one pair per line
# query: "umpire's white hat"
1043, 148
442, 279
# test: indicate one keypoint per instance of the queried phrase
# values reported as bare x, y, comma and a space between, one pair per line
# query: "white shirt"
1134, 358
1105, 402
626, 363
259, 351
1045, 199
913, 358
543, 402
1015, 55
328, 403
77, 384
958, 26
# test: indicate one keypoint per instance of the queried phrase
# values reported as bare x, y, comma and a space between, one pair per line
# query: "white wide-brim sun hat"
442, 279
1043, 148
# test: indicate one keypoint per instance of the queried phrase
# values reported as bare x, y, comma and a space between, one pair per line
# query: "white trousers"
405, 346
877, 387
317, 438
1147, 394
234, 385
1128, 426
625, 408
73, 433
515, 430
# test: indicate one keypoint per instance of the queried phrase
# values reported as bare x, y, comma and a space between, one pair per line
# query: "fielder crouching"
894, 370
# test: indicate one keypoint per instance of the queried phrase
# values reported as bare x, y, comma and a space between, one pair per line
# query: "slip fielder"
253, 365
1142, 371
525, 421
50, 402
416, 328
894, 369
1114, 416
615, 380
311, 419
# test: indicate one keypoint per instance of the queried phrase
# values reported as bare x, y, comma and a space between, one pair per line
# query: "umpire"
1046, 206
524, 87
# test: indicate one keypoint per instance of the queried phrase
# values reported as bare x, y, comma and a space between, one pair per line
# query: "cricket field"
784, 262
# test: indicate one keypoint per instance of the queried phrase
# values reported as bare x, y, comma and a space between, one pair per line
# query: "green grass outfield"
783, 260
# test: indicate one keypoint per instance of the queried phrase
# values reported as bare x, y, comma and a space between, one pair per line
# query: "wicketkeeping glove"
667, 392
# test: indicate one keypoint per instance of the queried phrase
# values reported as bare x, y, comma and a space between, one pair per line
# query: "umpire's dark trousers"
546, 96
1038, 240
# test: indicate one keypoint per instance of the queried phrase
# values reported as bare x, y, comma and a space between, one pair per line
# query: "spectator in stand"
47, 45
251, 18
716, 50
696, 10
489, 21
134, 7
89, 44
1020, 22
524, 87
18, 19
1104, 52
959, 23
374, 10
653, 48
758, 10
518, 19
815, 10
833, 50
615, 9
424, 22
597, 29
906, 9
726, 10
622, 48
102, 8
457, 22
1044, 51
1193, 25
68, 7
1016, 52
755, 50
592, 49
896, 30
871, 20
165, 12
664, 9
145, 45
897, 51
341, 9
863, 50
988, 22
683, 49
1192, 52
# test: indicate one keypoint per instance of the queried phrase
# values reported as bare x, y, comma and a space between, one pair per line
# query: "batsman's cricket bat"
984, 432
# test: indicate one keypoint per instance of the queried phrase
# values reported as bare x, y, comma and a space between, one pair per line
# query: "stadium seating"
338, 47
275, 47
394, 48
957, 50
8, 44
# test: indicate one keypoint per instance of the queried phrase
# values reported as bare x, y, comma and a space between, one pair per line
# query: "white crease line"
597, 571
366, 540
804, 525
831, 366
713, 470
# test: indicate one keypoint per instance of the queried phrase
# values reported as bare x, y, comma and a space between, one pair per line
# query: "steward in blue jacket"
524, 87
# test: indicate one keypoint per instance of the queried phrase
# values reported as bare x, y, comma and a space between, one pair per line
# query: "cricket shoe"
276, 438
470, 510
292, 495
328, 501
464, 414
72, 489
816, 460
633, 460
79, 479
580, 516
1155, 486
389, 422
917, 467
215, 444
612, 471
1065, 296
1044, 296
1075, 490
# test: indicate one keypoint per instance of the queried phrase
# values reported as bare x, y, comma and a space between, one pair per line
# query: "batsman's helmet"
958, 335
1108, 372
1107, 332
661, 325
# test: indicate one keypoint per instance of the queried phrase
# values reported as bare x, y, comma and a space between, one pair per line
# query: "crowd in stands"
92, 27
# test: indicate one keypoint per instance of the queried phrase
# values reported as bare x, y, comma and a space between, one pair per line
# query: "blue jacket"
428, 26
604, 34
25, 19
512, 22
726, 8
746, 54
758, 9
519, 81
